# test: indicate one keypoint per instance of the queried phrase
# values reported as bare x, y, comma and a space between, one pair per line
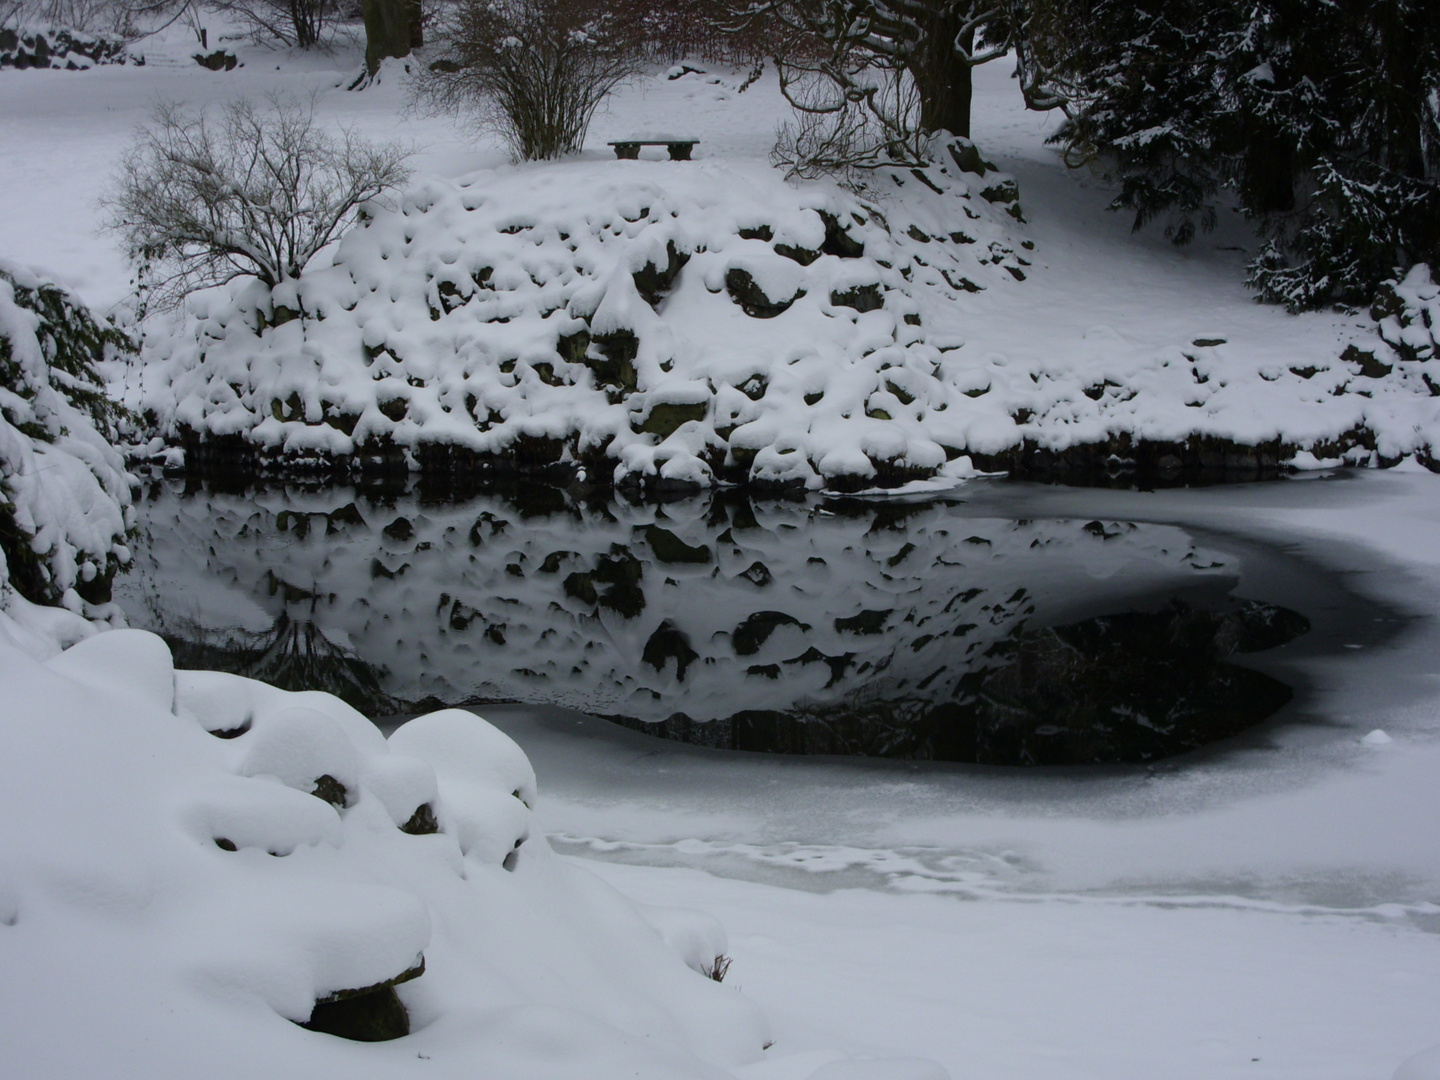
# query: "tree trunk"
942, 77
388, 29
417, 25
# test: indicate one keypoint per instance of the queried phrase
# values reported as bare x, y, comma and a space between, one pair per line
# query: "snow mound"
1409, 316
657, 322
194, 864
64, 493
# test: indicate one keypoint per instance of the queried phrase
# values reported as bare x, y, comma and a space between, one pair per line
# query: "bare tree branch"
200, 200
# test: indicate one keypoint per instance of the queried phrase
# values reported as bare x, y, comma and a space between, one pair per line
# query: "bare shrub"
688, 28
718, 968
88, 16
300, 24
532, 71
200, 200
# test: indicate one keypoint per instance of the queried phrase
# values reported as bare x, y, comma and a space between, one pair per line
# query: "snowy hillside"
671, 321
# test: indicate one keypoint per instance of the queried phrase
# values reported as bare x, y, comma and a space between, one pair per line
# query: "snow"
135, 942
61, 482
1268, 912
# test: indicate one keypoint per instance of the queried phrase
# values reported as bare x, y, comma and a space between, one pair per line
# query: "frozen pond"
980, 627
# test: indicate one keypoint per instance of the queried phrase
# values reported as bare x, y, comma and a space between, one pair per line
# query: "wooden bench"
629, 149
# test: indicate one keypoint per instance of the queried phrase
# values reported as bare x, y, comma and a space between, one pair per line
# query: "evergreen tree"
1319, 117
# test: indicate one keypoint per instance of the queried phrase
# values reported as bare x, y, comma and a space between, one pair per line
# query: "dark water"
927, 630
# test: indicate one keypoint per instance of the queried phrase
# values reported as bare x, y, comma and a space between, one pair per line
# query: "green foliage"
1319, 119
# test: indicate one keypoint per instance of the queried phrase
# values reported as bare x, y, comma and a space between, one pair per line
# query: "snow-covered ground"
1279, 902
1109, 335
1272, 912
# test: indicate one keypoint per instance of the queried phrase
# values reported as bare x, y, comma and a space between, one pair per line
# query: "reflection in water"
293, 654
896, 629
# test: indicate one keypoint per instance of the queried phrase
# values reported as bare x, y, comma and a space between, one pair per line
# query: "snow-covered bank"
661, 322
173, 903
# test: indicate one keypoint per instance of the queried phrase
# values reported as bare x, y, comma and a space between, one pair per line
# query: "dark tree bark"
942, 77
391, 27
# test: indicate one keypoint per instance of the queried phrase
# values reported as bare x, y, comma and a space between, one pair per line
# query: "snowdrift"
194, 865
653, 322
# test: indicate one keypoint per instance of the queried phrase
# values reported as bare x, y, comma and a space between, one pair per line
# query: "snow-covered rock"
660, 322
194, 864
61, 47
64, 493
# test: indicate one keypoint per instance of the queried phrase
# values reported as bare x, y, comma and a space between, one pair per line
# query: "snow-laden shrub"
191, 864
532, 71
1409, 315
64, 493
652, 321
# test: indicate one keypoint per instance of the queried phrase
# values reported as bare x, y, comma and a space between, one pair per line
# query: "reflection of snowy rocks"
699, 610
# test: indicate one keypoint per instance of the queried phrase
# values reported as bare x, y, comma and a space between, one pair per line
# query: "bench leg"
627, 151
679, 151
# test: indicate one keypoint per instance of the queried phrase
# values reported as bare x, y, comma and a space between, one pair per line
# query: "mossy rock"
756, 629
331, 790
1370, 367
572, 347
862, 298
422, 822
803, 256
744, 290
665, 418
655, 282
867, 622
966, 156
367, 1014
612, 358
1005, 192
667, 643
838, 241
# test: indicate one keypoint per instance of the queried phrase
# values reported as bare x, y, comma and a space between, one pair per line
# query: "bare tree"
870, 79
201, 200
298, 23
835, 132
533, 71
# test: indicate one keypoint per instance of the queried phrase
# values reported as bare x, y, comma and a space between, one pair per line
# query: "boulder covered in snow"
60, 47
657, 323
64, 493
196, 868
